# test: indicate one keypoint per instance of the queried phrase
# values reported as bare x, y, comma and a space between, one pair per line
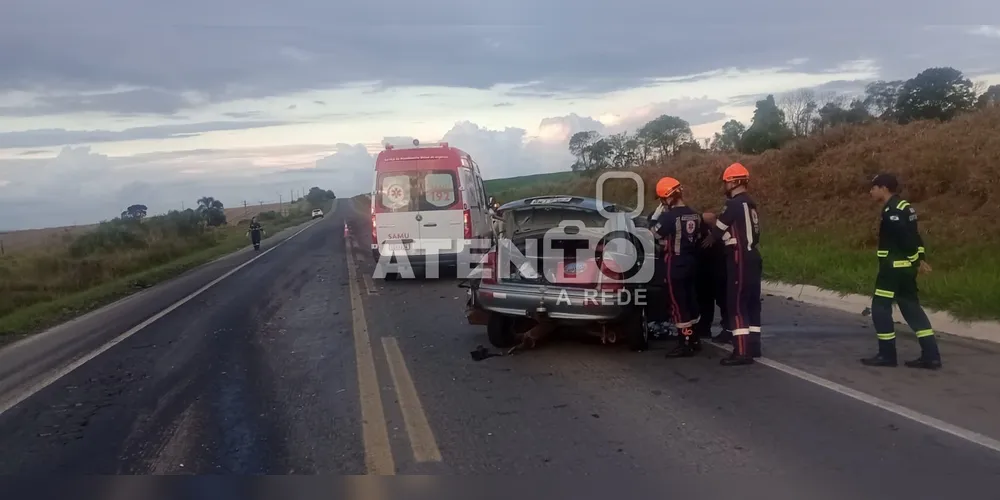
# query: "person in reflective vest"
901, 256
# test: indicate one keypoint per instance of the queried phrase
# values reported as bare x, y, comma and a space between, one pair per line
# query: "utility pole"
246, 211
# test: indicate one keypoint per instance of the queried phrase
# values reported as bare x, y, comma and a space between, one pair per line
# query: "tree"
768, 129
832, 114
624, 150
799, 108
135, 212
990, 98
578, 145
598, 155
728, 140
935, 93
211, 211
665, 133
881, 98
316, 196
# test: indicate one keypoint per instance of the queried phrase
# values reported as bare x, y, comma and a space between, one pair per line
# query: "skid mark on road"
425, 448
378, 451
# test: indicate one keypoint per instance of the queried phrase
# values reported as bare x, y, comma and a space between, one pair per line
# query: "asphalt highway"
297, 362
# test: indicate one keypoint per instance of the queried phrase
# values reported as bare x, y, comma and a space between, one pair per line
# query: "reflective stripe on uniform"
924, 333
741, 331
921, 250
884, 293
914, 257
886, 336
689, 324
754, 329
902, 263
882, 253
902, 204
749, 226
720, 225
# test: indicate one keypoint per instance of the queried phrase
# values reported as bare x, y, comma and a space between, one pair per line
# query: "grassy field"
52, 284
26, 240
820, 224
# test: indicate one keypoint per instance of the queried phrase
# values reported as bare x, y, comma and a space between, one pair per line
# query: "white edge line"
902, 411
66, 370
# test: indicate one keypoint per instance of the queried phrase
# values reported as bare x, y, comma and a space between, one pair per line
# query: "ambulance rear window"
413, 191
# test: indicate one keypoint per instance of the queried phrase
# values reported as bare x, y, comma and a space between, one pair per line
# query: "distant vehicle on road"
317, 213
557, 290
424, 193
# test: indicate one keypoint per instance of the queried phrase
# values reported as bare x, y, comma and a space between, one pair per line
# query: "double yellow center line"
378, 449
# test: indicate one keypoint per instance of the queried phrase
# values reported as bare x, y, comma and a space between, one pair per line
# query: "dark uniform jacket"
680, 230
899, 241
738, 225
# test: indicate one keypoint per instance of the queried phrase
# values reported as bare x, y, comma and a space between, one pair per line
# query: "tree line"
940, 93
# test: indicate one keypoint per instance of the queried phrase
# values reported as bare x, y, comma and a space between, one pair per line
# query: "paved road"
298, 363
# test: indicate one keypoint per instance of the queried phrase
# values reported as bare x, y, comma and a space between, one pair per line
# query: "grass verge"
38, 316
963, 282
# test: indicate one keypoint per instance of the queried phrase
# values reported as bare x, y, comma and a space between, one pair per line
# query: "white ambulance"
422, 196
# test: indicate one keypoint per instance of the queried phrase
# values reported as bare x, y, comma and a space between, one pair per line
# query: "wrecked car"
525, 288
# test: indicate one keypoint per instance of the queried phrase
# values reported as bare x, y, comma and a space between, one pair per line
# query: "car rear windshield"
540, 219
417, 190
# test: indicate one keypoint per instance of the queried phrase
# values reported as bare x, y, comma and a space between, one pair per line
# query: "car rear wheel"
500, 330
637, 331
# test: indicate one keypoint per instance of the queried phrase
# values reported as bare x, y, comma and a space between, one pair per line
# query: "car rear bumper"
556, 303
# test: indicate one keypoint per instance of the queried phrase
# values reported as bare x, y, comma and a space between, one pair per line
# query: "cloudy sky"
105, 103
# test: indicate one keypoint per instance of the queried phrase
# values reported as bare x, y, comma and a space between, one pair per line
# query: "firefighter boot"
741, 354
886, 354
755, 347
725, 337
930, 357
685, 347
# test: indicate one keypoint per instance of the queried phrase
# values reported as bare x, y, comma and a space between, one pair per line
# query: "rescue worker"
712, 283
739, 228
900, 258
255, 231
679, 228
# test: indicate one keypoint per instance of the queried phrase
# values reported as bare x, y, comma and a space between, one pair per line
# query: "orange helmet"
667, 186
735, 172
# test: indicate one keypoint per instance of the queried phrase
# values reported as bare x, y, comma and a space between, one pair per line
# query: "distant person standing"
739, 228
255, 232
900, 258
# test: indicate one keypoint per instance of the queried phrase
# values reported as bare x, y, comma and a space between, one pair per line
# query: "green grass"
512, 187
42, 315
963, 281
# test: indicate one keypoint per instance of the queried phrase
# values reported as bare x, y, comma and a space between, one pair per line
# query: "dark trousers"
658, 297
683, 294
711, 293
899, 285
255, 237
744, 272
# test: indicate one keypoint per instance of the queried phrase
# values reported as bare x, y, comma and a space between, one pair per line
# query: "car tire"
500, 330
637, 331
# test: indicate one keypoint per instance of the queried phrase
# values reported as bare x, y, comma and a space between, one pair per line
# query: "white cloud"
985, 30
